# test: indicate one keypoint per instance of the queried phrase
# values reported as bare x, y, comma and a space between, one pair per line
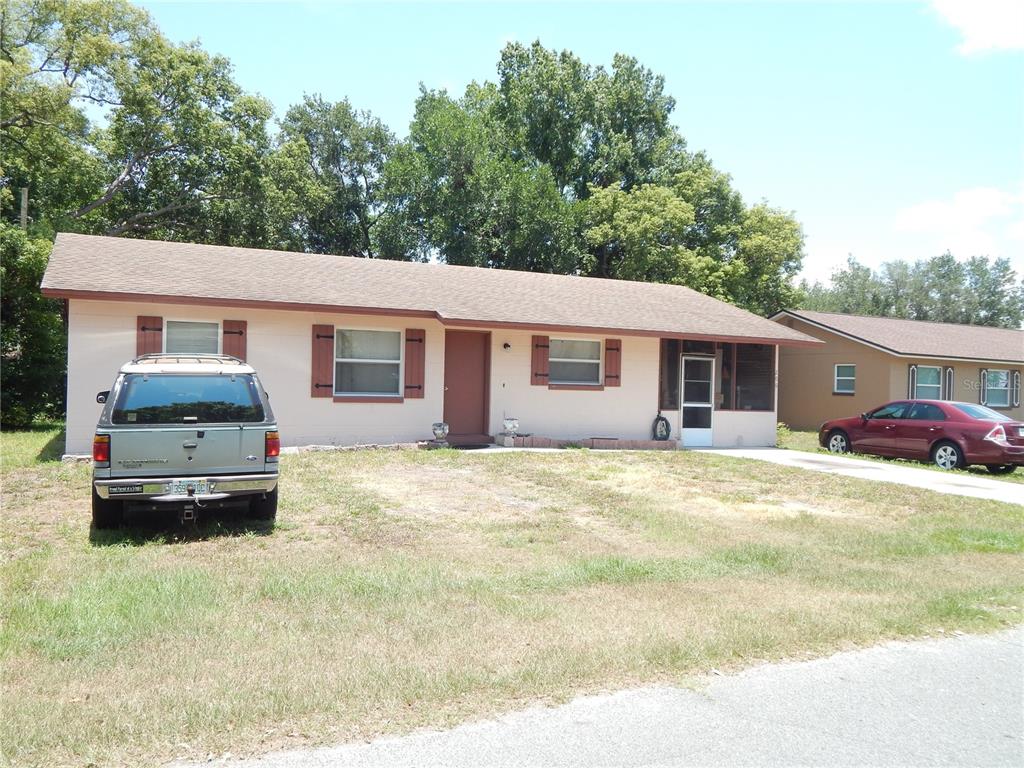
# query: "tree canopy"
556, 166
977, 291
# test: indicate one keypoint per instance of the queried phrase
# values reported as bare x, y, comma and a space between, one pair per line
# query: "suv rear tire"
106, 513
264, 507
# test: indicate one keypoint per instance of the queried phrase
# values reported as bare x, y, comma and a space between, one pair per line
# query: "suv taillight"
997, 434
272, 446
101, 450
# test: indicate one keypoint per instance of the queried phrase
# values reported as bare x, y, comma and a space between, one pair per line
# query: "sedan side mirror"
101, 397
864, 417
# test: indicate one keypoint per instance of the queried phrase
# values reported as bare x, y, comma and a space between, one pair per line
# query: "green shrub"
32, 337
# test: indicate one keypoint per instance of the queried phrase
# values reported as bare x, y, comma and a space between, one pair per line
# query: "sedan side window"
927, 412
891, 411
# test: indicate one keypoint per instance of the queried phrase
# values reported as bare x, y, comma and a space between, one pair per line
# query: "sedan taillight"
101, 450
272, 446
997, 434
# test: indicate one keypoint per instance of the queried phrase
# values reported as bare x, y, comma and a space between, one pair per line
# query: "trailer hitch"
188, 511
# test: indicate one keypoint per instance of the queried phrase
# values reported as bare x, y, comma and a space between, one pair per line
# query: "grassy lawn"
808, 441
401, 589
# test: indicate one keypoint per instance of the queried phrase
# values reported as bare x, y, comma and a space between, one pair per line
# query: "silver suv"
184, 432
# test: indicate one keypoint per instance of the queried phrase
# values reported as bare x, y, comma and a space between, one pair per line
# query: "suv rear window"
173, 398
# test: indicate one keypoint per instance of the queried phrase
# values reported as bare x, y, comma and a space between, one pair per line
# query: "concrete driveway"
957, 483
957, 701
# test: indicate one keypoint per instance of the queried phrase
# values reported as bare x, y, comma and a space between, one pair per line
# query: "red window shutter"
322, 384
539, 361
149, 335
415, 359
234, 338
612, 362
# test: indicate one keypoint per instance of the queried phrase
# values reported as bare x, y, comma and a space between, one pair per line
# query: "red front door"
466, 378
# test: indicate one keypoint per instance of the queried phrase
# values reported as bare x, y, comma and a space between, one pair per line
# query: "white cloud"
979, 221
985, 25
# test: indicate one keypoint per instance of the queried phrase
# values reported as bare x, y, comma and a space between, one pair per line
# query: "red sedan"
951, 435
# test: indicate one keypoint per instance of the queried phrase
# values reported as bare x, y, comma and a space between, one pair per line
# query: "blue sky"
892, 130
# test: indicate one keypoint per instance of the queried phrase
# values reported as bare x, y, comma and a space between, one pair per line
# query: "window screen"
929, 382
574, 361
755, 364
186, 337
846, 378
668, 388
367, 362
997, 388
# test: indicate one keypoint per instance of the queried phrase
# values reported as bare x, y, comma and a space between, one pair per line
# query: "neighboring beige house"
868, 361
357, 350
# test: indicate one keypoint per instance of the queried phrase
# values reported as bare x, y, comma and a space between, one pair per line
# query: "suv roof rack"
156, 357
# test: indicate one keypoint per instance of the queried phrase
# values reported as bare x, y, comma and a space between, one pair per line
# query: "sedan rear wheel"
948, 456
1000, 469
838, 442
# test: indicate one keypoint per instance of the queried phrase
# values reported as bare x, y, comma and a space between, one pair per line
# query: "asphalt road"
956, 701
957, 483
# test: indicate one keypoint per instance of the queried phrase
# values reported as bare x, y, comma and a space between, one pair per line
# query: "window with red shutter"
322, 384
415, 360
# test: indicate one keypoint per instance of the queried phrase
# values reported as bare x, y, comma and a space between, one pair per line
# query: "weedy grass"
401, 589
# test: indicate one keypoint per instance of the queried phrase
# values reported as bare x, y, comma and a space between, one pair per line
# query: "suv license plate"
181, 487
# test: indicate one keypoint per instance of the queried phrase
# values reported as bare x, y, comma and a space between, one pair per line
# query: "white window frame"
917, 382
599, 361
1008, 389
836, 377
401, 363
164, 334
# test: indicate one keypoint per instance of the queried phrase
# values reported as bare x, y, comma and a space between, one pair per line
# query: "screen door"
698, 401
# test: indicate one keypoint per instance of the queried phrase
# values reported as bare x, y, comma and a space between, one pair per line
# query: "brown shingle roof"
85, 266
924, 339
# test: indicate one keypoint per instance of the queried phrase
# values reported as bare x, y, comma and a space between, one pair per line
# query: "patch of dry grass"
408, 588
